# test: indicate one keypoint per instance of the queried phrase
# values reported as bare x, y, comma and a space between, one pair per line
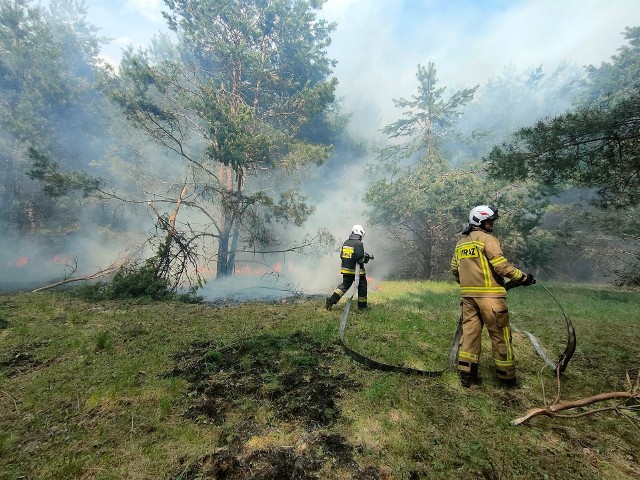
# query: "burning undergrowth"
267, 288
266, 296
255, 387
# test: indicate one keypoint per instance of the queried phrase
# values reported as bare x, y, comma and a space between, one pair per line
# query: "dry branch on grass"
633, 393
552, 410
99, 274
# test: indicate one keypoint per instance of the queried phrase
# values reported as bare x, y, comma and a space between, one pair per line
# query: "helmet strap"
481, 226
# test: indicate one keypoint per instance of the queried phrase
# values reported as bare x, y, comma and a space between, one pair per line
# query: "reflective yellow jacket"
480, 267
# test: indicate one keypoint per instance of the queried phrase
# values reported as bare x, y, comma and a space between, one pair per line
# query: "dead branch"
115, 266
175, 263
552, 410
557, 406
172, 218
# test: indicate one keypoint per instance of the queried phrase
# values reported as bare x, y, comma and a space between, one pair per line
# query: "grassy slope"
103, 391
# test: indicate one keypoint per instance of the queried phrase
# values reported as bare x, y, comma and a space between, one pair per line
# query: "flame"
60, 260
22, 261
242, 268
249, 270
278, 267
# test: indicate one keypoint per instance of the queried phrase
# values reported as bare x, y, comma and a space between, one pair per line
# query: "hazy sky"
379, 43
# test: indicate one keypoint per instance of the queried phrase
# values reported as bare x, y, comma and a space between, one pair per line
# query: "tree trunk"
222, 269
236, 234
426, 248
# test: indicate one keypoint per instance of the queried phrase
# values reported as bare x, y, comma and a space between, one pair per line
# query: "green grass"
120, 390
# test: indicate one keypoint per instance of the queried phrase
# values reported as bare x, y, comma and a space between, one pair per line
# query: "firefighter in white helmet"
481, 269
352, 253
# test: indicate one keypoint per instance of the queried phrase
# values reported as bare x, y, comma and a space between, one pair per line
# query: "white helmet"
481, 213
358, 230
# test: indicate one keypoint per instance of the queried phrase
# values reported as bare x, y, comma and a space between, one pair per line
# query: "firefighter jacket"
480, 267
352, 253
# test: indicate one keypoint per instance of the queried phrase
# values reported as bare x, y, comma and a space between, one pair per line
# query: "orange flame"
60, 260
22, 261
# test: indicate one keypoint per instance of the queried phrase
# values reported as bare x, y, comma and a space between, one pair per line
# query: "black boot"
467, 379
331, 301
509, 382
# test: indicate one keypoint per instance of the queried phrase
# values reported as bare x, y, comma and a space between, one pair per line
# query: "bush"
136, 283
142, 283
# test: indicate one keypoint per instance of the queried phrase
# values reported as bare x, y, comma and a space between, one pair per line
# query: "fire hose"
563, 359
369, 362
560, 365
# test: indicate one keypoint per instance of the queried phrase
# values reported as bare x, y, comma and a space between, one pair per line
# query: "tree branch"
101, 273
551, 410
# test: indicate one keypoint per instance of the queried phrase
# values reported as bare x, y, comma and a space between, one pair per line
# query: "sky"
379, 43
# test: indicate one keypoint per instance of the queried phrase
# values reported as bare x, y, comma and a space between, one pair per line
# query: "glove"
527, 280
367, 257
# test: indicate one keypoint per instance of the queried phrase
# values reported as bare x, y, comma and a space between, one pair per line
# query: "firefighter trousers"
492, 313
347, 281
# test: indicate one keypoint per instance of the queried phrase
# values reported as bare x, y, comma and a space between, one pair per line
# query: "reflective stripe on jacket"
479, 265
352, 253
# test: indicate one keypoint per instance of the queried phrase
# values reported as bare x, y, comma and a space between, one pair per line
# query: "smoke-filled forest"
221, 152
173, 213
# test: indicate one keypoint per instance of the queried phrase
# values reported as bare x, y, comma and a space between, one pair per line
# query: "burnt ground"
21, 360
289, 376
266, 296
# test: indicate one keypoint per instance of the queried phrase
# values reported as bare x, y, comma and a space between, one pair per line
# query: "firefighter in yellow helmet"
481, 269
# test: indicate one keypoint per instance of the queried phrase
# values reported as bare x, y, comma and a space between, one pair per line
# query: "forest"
136, 196
205, 155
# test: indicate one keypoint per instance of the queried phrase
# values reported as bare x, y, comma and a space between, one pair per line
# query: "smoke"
250, 286
378, 45
30, 262
338, 199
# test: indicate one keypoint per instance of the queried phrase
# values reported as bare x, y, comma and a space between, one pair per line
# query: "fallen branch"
101, 273
552, 410
174, 265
